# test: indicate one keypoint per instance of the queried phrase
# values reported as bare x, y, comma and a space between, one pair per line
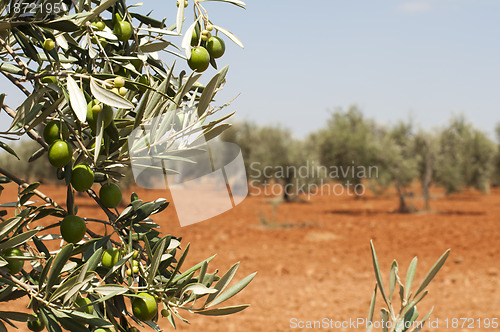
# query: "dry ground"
316, 263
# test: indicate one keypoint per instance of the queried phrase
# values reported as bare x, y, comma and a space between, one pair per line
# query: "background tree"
425, 149
265, 149
37, 170
496, 161
465, 157
396, 159
347, 141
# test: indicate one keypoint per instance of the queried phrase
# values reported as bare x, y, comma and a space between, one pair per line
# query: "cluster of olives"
144, 306
205, 46
60, 154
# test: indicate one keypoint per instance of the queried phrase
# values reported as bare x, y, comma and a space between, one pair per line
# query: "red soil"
316, 262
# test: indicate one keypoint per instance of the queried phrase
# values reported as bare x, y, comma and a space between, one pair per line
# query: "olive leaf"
229, 35
108, 97
77, 99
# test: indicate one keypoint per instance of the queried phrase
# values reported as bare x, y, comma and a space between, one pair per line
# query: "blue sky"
395, 59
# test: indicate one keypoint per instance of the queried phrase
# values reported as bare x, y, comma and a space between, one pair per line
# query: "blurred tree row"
454, 157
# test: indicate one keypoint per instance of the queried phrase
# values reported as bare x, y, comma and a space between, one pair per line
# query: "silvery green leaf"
372, 305
59, 262
186, 40
378, 276
230, 36
110, 289
18, 239
64, 288
159, 31
14, 315
164, 257
63, 59
410, 317
82, 18
77, 99
106, 34
66, 66
47, 237
100, 132
68, 267
198, 289
154, 47
61, 41
207, 95
180, 17
223, 282
92, 52
392, 278
203, 271
384, 315
211, 133
11, 68
87, 277
25, 108
82, 317
401, 292
52, 107
8, 149
118, 265
156, 259
108, 97
410, 274
233, 290
433, 271
223, 311
173, 244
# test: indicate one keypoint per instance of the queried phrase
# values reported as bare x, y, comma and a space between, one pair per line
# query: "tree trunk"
427, 179
402, 202
286, 196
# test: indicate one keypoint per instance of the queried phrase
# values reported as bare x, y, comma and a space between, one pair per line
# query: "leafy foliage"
465, 157
404, 319
348, 140
95, 67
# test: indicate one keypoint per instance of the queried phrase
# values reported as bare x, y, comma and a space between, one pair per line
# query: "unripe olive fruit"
119, 82
48, 44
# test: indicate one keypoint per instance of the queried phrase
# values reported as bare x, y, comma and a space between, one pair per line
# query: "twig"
77, 137
31, 133
16, 82
89, 26
95, 236
112, 217
25, 185
32, 76
15, 56
30, 289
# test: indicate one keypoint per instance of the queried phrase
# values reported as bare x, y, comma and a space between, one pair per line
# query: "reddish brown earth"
316, 262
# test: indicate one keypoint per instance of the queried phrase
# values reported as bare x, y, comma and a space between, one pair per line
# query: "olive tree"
267, 153
496, 161
91, 73
465, 157
396, 160
425, 150
346, 145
